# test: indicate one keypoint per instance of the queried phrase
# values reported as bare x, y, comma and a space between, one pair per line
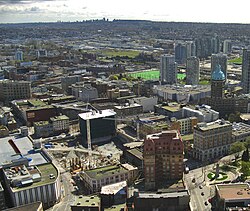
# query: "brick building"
163, 158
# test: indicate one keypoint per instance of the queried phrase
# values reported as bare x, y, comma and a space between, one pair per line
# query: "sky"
218, 11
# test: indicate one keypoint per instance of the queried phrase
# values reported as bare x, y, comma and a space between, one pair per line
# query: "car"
202, 193
206, 203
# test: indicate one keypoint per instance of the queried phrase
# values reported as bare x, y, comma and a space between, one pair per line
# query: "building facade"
14, 90
168, 69
212, 140
245, 77
163, 158
193, 71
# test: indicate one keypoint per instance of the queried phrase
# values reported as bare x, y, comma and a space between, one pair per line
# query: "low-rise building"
162, 201
184, 126
232, 196
170, 110
240, 131
212, 140
90, 203
204, 113
128, 110
147, 103
94, 179
14, 90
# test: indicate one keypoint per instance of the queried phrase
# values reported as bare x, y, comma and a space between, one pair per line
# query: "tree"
236, 148
245, 155
113, 77
245, 169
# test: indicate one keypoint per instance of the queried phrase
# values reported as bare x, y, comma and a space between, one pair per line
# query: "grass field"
153, 74
114, 53
236, 60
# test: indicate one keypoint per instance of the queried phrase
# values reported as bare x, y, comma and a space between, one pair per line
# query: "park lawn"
236, 60
114, 53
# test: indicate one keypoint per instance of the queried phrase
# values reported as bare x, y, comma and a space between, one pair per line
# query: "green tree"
232, 117
236, 148
245, 155
113, 77
245, 169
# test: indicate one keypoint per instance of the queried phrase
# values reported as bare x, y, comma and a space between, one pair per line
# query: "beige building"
212, 140
94, 179
13, 90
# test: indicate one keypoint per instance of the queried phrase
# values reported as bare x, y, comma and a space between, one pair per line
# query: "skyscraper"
180, 53
168, 69
227, 46
163, 158
245, 77
219, 59
19, 55
215, 44
191, 48
193, 70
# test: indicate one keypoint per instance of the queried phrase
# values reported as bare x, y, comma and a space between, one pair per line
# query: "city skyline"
22, 11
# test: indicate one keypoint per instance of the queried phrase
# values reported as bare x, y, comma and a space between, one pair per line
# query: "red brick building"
163, 158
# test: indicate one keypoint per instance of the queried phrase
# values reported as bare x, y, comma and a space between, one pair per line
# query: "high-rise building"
19, 55
14, 90
192, 70
212, 140
163, 158
180, 53
168, 69
218, 83
245, 77
191, 48
203, 47
227, 46
219, 59
215, 44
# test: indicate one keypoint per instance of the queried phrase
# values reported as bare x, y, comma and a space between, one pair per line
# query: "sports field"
153, 74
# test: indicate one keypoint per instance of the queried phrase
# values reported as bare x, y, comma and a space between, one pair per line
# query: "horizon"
46, 11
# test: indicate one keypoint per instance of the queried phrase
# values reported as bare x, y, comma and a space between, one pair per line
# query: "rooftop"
58, 118
97, 115
113, 188
212, 125
240, 128
128, 105
88, 201
36, 103
106, 171
234, 191
41, 123
172, 107
46, 170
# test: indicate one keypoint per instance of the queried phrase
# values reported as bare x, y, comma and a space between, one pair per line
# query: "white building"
168, 69
193, 71
84, 92
227, 46
147, 103
204, 113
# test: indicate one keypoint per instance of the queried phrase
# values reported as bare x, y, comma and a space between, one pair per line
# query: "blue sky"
221, 11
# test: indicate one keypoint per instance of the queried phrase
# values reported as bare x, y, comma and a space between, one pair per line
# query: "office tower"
227, 46
215, 44
218, 83
190, 49
168, 69
245, 77
14, 90
180, 53
163, 156
219, 59
19, 55
193, 70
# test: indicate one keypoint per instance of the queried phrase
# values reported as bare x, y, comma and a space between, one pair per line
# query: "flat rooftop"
113, 188
240, 128
46, 170
134, 105
97, 115
88, 201
24, 144
213, 125
163, 195
106, 171
234, 191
